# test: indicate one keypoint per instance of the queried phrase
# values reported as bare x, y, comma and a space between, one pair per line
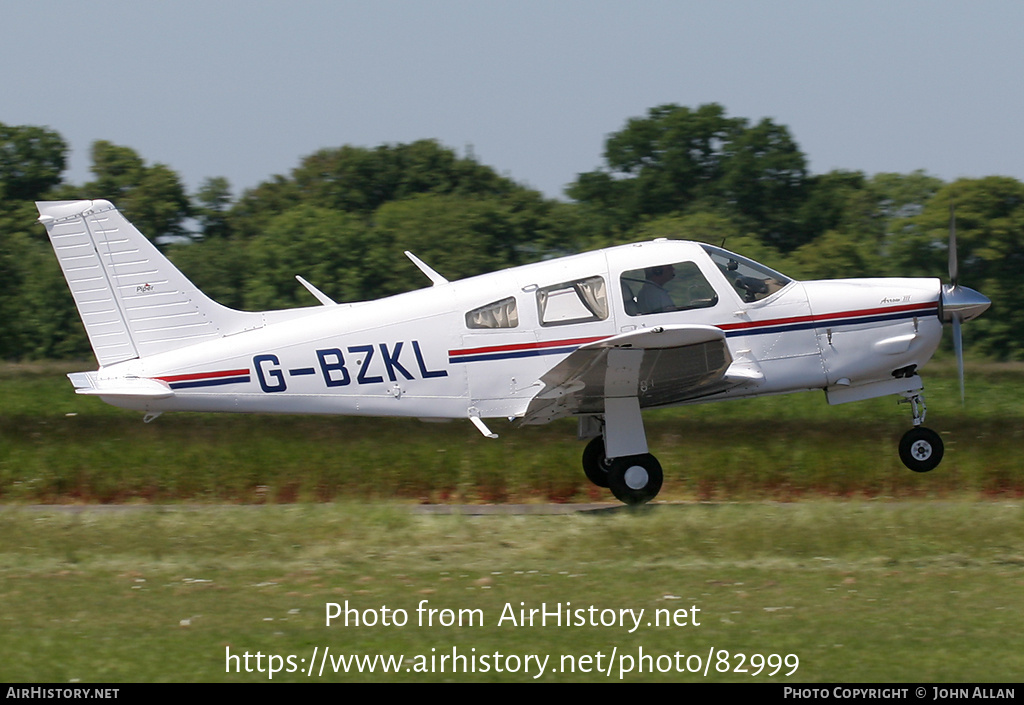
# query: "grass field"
58, 447
916, 591
858, 568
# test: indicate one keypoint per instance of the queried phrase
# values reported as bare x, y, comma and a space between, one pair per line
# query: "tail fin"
132, 300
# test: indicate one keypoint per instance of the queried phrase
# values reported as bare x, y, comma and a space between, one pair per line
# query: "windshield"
752, 280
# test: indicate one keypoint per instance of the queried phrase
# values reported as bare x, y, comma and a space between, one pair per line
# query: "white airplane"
600, 335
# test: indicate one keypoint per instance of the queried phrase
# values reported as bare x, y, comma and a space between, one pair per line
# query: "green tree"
827, 205
210, 208
249, 216
117, 169
32, 160
764, 175
152, 197
702, 226
990, 237
324, 246
219, 267
38, 317
458, 236
657, 164
360, 180
848, 221
836, 255
677, 160
903, 195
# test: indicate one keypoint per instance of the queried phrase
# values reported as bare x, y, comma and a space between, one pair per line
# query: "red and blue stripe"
841, 318
732, 330
207, 379
519, 350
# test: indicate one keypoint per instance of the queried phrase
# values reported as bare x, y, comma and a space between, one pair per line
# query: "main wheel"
921, 449
595, 464
635, 479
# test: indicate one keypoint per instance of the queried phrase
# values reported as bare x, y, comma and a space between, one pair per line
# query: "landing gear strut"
920, 448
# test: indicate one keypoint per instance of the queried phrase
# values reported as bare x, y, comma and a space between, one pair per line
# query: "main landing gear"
633, 479
920, 448
636, 477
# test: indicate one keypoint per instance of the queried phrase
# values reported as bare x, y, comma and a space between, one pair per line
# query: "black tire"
635, 479
921, 449
595, 464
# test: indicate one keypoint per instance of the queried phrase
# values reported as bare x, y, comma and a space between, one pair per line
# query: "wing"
658, 366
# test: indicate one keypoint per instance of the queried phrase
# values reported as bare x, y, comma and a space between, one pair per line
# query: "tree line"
343, 216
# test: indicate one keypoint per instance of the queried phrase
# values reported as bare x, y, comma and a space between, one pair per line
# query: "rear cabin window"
679, 286
577, 301
500, 314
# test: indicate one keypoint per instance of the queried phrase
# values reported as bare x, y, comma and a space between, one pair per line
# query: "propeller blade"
958, 347
954, 266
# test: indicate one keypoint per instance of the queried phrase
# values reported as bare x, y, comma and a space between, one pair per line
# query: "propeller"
959, 303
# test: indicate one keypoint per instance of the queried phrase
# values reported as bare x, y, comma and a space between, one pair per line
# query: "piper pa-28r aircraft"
600, 335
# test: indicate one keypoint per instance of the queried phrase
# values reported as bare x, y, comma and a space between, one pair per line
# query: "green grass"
56, 447
864, 571
859, 591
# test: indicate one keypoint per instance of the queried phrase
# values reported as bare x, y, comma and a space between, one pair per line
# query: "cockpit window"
752, 280
500, 314
679, 286
573, 302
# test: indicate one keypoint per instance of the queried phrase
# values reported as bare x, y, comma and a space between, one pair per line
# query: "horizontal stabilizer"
138, 387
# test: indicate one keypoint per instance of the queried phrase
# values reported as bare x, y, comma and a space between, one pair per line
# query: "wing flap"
658, 366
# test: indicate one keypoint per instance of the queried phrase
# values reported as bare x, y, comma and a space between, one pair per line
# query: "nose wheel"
920, 448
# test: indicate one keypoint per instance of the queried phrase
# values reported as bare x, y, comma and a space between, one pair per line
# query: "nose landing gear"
920, 448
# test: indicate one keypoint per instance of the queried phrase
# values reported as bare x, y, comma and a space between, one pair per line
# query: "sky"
245, 88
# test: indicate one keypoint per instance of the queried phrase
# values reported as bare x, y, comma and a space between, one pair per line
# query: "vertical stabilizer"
132, 300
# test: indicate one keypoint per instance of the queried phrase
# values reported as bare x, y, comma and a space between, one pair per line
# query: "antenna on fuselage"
432, 275
320, 296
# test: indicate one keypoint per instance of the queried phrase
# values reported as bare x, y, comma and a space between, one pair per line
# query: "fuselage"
479, 346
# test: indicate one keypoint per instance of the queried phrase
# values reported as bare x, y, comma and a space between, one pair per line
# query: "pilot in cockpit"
653, 297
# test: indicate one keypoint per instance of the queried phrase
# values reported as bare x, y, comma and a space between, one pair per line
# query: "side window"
500, 314
667, 287
577, 301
